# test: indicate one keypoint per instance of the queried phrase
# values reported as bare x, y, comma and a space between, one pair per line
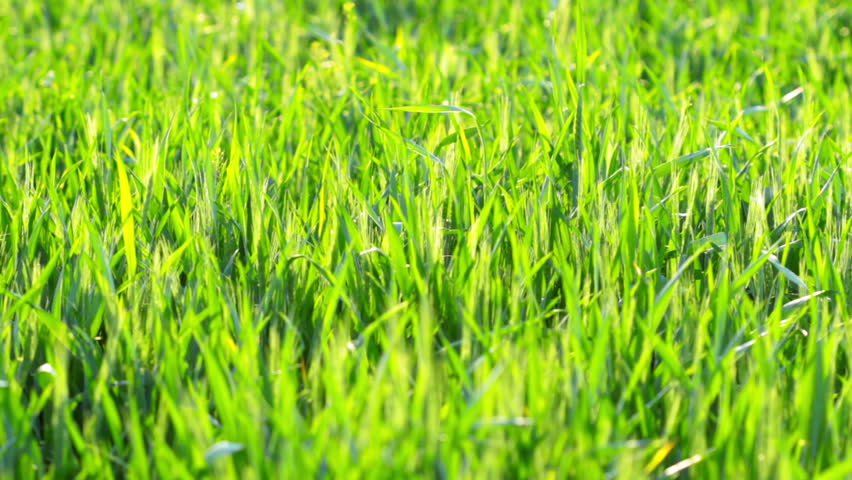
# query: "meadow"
426, 239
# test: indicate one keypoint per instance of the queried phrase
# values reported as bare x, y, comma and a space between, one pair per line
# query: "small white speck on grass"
792, 94
506, 422
4, 384
48, 79
45, 374
241, 6
222, 449
214, 95
682, 465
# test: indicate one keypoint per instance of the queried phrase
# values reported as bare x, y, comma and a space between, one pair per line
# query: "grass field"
434, 239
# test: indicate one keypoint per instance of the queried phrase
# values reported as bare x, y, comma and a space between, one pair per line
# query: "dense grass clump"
444, 239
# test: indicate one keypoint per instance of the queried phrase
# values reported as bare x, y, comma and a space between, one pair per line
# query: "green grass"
446, 239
